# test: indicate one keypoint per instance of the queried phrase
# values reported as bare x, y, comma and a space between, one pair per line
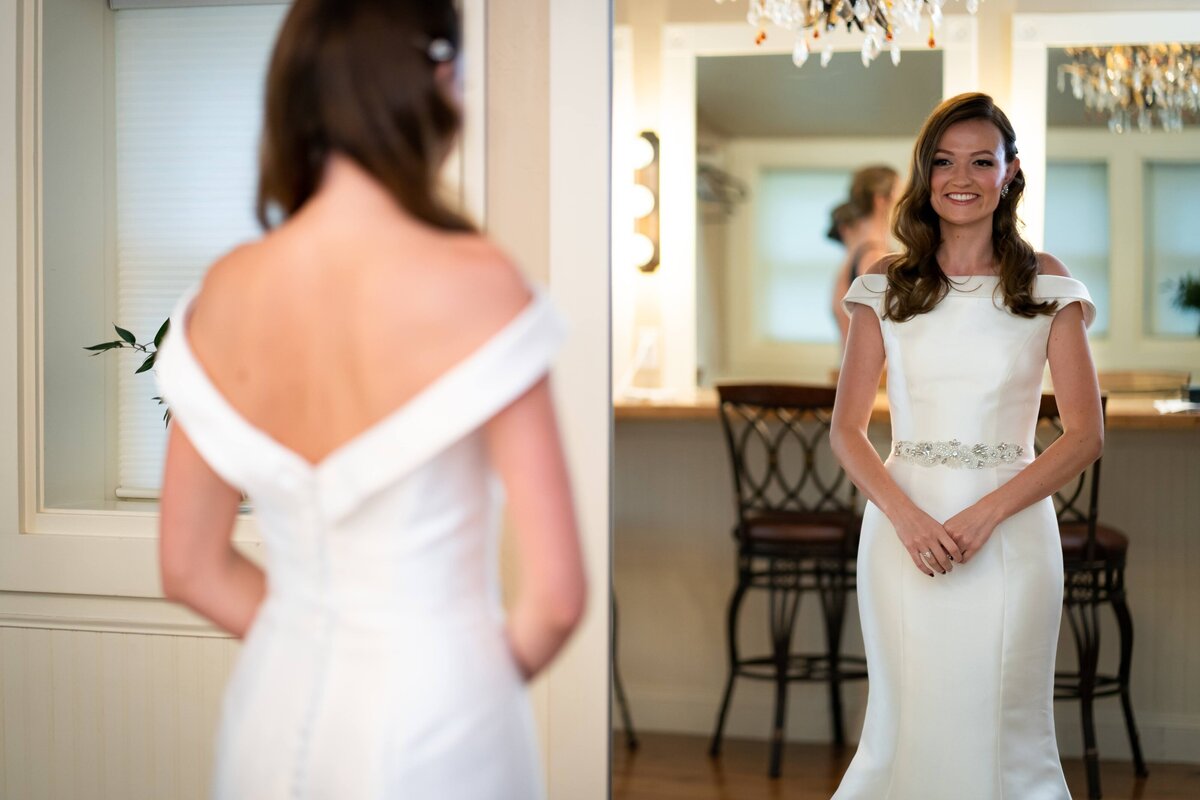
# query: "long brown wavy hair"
358, 78
916, 283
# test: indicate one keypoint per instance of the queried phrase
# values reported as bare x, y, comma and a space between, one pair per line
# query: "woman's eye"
983, 162
941, 162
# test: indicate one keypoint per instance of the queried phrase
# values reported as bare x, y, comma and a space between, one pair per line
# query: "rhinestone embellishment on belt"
958, 455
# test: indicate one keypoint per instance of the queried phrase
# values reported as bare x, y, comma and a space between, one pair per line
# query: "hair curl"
916, 282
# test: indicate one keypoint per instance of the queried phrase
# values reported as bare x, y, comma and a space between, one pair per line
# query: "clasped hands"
936, 548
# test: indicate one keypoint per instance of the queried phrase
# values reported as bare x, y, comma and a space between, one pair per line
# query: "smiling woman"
966, 324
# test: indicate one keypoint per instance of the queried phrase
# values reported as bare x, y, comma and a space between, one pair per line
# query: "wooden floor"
673, 767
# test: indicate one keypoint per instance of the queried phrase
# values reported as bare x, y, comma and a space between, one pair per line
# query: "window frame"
747, 352
1127, 343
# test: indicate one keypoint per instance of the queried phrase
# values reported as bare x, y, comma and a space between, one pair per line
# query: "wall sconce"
643, 202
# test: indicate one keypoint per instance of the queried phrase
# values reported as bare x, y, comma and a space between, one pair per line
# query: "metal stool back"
797, 532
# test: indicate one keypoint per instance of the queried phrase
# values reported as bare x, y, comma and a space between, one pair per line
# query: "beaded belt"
958, 455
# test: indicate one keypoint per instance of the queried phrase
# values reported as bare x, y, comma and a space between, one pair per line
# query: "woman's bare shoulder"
223, 284
1049, 265
880, 265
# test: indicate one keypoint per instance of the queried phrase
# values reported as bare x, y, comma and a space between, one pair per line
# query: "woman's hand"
928, 543
971, 528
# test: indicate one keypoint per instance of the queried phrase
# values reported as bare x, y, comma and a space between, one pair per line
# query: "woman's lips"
962, 198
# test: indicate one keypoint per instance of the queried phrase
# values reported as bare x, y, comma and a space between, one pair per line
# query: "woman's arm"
1078, 396
857, 384
197, 561
524, 447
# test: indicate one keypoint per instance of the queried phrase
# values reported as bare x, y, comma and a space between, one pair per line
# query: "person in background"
370, 374
861, 225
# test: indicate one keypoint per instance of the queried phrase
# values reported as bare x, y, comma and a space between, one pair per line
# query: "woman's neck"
967, 249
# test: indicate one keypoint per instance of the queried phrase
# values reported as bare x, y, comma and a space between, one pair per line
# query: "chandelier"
877, 20
1136, 85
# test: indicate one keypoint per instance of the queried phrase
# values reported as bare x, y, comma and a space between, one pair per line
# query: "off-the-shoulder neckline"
537, 305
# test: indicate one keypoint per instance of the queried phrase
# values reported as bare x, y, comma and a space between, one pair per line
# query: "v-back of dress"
377, 666
961, 666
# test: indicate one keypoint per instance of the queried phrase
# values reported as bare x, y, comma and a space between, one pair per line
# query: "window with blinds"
189, 88
797, 261
1171, 193
1077, 231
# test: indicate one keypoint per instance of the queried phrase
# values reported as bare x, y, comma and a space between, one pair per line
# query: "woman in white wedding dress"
372, 374
960, 567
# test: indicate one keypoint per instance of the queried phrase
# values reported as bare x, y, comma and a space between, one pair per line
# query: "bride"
371, 374
960, 574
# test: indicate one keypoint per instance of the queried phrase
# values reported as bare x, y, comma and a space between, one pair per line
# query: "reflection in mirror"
1111, 182
789, 145
773, 150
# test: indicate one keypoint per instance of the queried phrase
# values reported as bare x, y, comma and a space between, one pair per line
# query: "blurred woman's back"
368, 373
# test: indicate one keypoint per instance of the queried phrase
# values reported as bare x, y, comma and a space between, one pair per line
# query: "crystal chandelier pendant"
877, 20
1137, 87
800, 51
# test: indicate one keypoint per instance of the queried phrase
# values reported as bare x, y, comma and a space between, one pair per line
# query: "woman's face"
968, 172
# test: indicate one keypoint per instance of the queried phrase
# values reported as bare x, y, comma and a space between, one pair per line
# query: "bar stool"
1094, 575
797, 532
618, 688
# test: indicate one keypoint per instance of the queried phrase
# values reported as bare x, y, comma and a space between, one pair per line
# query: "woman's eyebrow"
976, 153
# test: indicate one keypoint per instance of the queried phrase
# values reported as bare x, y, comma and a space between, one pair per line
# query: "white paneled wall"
108, 716
674, 570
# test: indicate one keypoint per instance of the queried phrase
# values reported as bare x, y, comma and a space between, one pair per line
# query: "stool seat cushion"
803, 531
1110, 542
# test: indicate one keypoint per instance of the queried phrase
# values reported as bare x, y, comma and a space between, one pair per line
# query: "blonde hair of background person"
368, 291
860, 224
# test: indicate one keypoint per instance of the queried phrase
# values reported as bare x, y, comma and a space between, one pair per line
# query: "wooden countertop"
1125, 412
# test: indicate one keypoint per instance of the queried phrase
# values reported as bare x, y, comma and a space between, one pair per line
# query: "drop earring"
1004, 190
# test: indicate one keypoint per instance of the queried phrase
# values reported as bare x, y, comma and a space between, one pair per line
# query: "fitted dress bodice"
969, 369
377, 663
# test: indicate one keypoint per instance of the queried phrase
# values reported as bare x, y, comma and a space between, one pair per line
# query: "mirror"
755, 154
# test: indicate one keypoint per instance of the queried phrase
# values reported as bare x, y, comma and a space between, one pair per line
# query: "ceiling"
767, 96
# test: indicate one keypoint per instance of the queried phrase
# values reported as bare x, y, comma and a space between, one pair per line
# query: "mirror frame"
1033, 36
682, 45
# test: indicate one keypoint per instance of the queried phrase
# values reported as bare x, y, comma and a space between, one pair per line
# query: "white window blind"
1172, 195
797, 263
1077, 227
189, 88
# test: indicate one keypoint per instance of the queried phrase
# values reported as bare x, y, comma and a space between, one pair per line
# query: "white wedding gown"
377, 666
961, 666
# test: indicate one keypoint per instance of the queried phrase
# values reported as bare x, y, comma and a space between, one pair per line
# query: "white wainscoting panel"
108, 716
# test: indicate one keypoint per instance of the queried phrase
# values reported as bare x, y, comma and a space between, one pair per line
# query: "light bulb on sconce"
642, 153
642, 251
643, 202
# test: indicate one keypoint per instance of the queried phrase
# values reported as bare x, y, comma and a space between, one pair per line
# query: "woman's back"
343, 314
368, 374
341, 373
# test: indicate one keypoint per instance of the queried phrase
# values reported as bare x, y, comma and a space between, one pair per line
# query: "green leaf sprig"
128, 341
1187, 294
